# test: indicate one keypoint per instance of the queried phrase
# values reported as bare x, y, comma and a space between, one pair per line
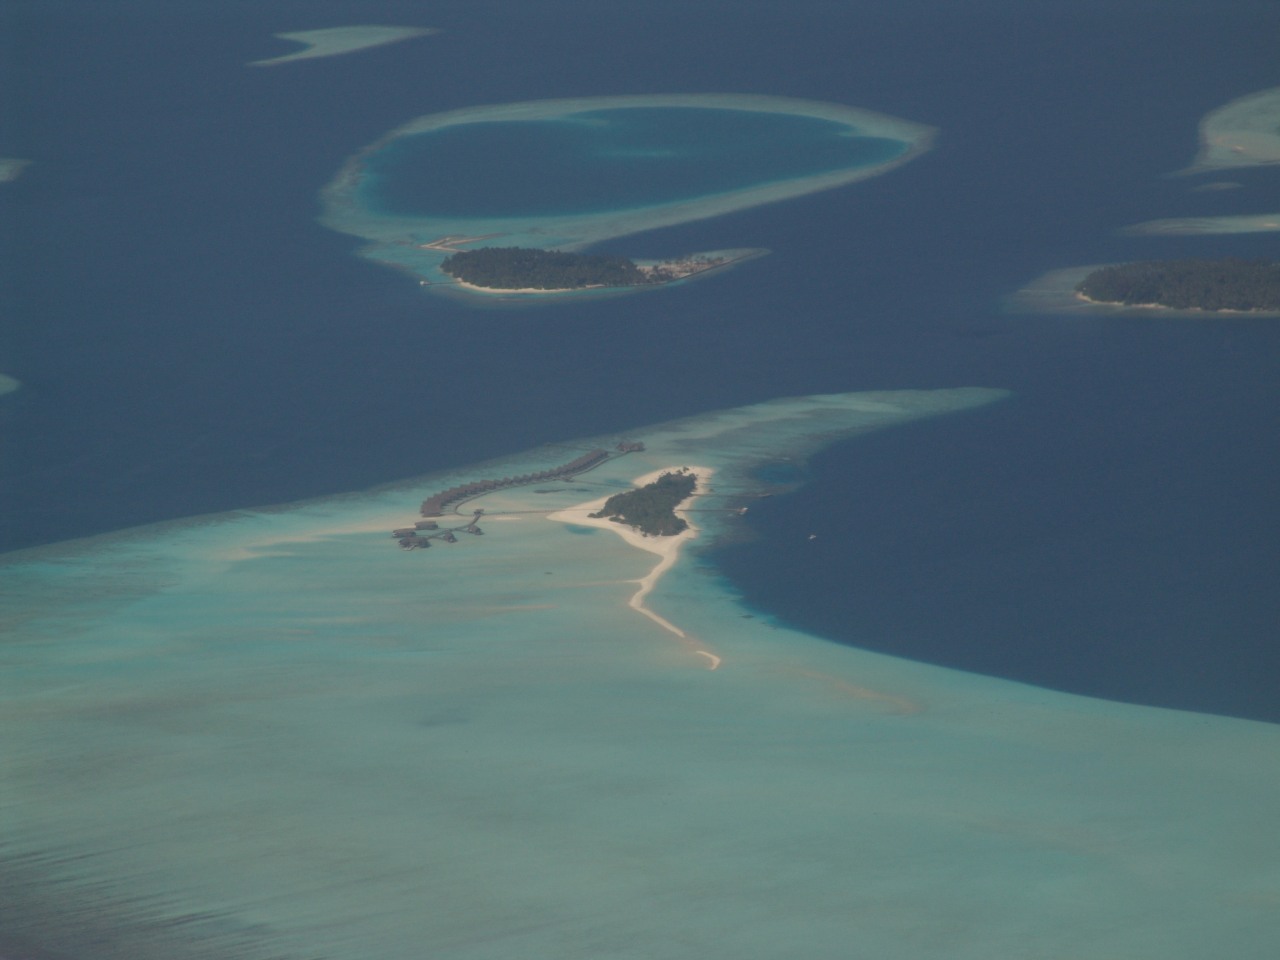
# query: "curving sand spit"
667, 548
1243, 133
334, 41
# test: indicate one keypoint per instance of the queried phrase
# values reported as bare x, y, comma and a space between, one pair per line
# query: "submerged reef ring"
566, 174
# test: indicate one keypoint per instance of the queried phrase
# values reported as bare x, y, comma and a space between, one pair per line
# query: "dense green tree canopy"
516, 268
1203, 284
651, 508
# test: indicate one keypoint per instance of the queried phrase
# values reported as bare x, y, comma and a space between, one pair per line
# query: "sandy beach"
504, 291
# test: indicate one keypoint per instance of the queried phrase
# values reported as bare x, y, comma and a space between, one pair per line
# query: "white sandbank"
1194, 226
412, 243
1055, 292
1243, 133
667, 548
11, 168
334, 41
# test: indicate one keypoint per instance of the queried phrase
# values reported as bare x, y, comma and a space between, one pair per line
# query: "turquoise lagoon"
566, 174
273, 733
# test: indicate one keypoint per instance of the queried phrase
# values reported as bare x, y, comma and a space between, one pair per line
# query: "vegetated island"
529, 269
1227, 284
651, 508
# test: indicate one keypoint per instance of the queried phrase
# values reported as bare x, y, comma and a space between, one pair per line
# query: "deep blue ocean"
191, 341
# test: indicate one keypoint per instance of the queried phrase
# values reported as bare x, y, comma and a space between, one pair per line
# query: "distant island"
1228, 284
651, 508
515, 269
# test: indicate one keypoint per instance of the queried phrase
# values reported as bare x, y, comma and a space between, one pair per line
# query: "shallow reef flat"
11, 168
1242, 133
275, 734
334, 41
419, 242
1194, 226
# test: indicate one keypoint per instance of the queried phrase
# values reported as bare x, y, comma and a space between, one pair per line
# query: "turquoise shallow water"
566, 174
597, 160
275, 734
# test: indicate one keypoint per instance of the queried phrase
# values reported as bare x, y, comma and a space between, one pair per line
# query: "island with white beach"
1065, 292
593, 152
1228, 285
1205, 226
510, 271
595, 514
1243, 133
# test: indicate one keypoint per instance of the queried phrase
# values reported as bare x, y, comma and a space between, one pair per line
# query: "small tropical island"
651, 508
519, 269
1226, 285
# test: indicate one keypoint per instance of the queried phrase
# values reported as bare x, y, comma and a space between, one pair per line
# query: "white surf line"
668, 548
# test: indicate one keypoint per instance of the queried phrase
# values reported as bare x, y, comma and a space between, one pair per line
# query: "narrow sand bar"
667, 548
335, 41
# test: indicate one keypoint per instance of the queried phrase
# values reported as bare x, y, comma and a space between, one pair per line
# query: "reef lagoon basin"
566, 174
602, 160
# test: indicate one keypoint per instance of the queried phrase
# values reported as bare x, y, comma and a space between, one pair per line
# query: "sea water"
188, 342
278, 734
